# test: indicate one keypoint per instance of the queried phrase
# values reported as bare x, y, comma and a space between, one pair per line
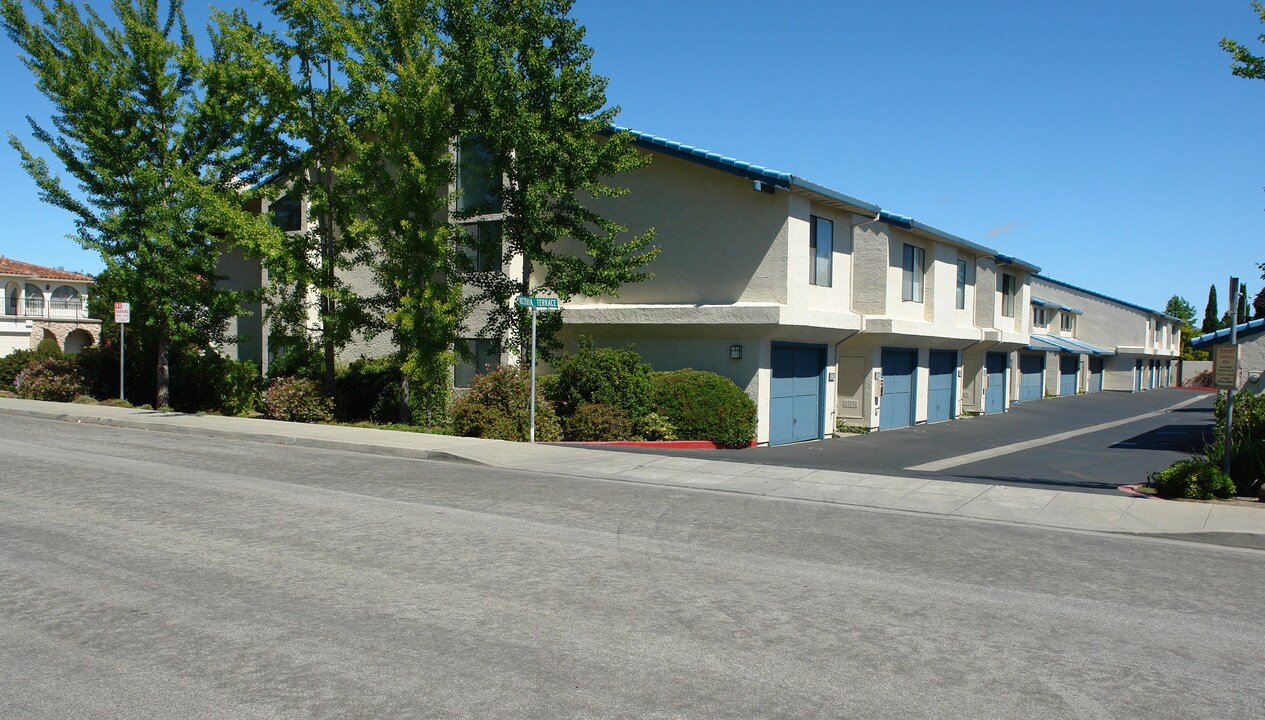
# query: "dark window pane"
287, 213
478, 182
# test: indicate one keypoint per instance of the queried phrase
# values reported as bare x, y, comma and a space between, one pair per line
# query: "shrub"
655, 426
48, 346
605, 376
1198, 479
297, 400
496, 406
1247, 441
84, 400
705, 406
18, 360
297, 359
595, 422
368, 389
52, 378
116, 402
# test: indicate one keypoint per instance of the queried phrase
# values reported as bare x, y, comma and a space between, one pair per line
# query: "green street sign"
550, 303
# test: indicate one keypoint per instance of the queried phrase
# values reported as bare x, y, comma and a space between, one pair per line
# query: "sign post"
122, 316
1231, 371
535, 303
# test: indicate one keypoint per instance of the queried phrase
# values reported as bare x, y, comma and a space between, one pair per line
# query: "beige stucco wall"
720, 241
244, 274
1110, 324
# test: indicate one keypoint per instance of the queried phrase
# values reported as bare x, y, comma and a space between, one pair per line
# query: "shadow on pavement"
1174, 438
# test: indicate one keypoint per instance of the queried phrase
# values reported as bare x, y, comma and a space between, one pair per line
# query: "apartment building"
40, 303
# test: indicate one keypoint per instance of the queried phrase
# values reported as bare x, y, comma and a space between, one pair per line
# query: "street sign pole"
1229, 393
122, 316
534, 303
532, 431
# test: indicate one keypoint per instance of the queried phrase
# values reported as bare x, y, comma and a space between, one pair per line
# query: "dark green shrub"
705, 406
1247, 441
496, 406
297, 400
605, 376
84, 400
1197, 479
116, 402
202, 381
297, 359
52, 378
595, 422
368, 389
48, 346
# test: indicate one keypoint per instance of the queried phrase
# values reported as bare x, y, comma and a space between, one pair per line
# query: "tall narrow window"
911, 281
484, 245
821, 244
961, 285
1009, 289
478, 182
287, 212
1065, 322
483, 362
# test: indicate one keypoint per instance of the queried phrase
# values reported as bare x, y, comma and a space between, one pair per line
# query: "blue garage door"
1095, 374
941, 385
899, 389
1031, 386
995, 383
1137, 376
1069, 365
795, 394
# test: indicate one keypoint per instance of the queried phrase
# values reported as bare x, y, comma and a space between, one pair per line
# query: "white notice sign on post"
1225, 367
122, 313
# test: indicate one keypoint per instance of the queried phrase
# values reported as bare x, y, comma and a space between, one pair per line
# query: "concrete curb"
1118, 514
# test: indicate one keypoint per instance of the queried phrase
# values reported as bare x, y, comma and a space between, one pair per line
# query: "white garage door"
10, 342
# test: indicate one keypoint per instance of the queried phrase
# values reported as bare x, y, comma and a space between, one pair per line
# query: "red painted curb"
1133, 490
666, 444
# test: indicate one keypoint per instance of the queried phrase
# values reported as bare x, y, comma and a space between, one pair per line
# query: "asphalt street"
147, 575
1096, 462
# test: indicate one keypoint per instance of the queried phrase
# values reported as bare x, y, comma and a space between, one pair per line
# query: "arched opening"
78, 340
12, 293
66, 303
34, 301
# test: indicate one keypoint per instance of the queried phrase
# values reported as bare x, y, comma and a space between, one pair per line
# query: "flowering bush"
297, 400
53, 377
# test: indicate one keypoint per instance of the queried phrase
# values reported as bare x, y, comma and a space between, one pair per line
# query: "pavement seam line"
968, 458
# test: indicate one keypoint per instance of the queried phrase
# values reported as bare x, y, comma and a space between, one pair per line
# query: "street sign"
122, 313
546, 303
1225, 367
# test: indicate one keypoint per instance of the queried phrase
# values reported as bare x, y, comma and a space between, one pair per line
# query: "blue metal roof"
1050, 303
1106, 297
1055, 343
1249, 328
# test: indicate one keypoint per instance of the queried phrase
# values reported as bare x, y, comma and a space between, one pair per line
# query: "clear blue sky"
1106, 142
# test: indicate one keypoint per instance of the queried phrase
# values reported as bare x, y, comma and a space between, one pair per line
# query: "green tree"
396, 176
1211, 319
529, 102
1245, 64
304, 65
1243, 316
1258, 305
153, 135
1179, 307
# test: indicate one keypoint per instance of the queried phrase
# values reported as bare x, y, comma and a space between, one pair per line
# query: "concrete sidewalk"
1205, 522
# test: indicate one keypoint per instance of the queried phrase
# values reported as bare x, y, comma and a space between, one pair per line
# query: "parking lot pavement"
1151, 431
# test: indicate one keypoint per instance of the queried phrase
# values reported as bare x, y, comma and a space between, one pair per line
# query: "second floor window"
1039, 318
1009, 290
484, 248
1065, 322
961, 299
478, 181
287, 212
821, 244
912, 277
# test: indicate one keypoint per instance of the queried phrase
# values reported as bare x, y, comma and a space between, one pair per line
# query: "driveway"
1101, 441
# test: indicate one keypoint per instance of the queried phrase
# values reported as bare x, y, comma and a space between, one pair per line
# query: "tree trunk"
163, 383
524, 332
406, 415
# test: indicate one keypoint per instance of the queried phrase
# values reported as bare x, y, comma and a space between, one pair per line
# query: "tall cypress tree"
525, 94
1211, 318
1243, 314
156, 140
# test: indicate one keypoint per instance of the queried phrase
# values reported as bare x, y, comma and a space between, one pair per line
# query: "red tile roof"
17, 267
